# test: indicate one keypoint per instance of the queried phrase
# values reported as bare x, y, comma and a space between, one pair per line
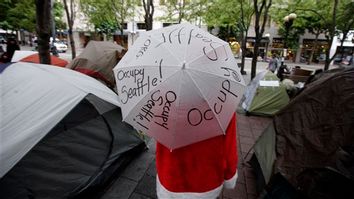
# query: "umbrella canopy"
33, 57
179, 85
98, 60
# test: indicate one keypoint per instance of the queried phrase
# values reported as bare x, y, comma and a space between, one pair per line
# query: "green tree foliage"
187, 10
234, 21
225, 22
317, 16
21, 14
58, 11
5, 6
108, 15
99, 13
230, 13
345, 22
280, 10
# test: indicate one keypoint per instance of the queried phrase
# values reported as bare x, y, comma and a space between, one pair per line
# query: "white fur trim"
231, 183
163, 193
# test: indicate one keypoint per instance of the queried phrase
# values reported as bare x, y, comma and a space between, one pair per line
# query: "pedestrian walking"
200, 170
273, 63
283, 69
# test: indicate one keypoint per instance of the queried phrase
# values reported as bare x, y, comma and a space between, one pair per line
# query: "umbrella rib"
179, 102
196, 85
150, 66
215, 75
167, 49
204, 54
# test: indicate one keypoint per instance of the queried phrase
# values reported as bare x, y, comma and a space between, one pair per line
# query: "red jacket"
199, 170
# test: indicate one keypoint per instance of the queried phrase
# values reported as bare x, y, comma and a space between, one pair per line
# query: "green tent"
265, 95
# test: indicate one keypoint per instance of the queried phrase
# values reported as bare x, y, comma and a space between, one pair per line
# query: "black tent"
62, 134
311, 141
76, 159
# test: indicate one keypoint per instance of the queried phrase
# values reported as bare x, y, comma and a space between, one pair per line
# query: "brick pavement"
138, 179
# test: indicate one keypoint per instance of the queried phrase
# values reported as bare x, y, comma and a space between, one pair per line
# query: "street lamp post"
288, 22
267, 35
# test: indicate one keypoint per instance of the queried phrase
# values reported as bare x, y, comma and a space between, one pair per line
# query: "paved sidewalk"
249, 128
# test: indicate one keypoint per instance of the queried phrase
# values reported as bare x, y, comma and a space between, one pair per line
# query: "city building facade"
271, 42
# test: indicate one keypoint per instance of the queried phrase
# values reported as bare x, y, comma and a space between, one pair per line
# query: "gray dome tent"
62, 134
98, 60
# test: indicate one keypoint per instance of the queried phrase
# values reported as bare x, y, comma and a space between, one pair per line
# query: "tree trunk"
328, 60
243, 56
254, 59
260, 10
43, 18
149, 13
314, 48
181, 11
345, 34
31, 39
121, 34
332, 29
72, 43
70, 18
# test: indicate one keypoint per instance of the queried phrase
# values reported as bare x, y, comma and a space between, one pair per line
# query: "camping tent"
33, 57
98, 60
265, 95
61, 133
311, 140
20, 54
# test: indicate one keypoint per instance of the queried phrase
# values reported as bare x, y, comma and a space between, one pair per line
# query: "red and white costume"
199, 170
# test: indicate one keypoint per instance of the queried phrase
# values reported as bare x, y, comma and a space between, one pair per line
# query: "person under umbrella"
200, 170
181, 86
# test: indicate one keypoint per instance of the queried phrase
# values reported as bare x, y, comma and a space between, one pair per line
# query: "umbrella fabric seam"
202, 55
214, 75
167, 49
201, 93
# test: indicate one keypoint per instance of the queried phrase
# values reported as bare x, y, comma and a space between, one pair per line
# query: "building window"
168, 24
125, 26
141, 26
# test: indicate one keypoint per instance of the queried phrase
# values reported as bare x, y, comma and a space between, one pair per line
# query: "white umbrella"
179, 84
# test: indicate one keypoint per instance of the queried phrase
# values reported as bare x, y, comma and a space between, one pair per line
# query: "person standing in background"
273, 63
11, 47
